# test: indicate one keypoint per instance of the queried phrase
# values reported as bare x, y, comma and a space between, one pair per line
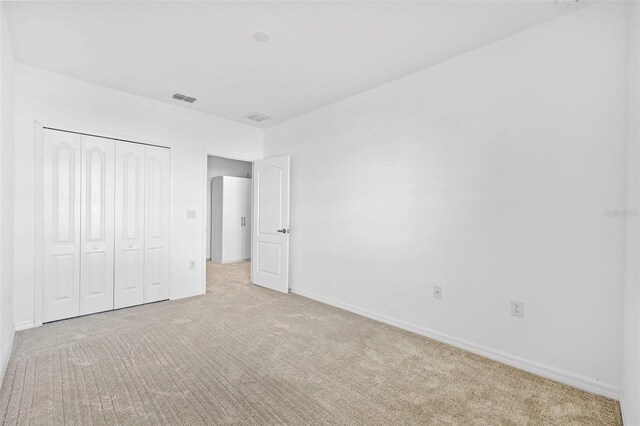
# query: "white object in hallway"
270, 249
156, 271
230, 219
61, 222
96, 219
246, 223
129, 218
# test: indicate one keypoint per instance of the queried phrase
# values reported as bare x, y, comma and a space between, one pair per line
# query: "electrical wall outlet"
437, 292
517, 308
192, 264
191, 214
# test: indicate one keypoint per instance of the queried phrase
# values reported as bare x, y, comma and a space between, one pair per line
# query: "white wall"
630, 400
218, 166
489, 175
66, 103
7, 191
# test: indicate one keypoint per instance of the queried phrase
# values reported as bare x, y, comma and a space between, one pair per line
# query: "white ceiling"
318, 52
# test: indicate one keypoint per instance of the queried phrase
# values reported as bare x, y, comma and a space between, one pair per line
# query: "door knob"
130, 245
283, 230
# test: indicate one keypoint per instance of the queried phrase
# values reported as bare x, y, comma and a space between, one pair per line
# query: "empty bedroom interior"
421, 212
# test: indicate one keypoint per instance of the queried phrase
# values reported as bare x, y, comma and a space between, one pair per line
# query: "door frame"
220, 154
38, 282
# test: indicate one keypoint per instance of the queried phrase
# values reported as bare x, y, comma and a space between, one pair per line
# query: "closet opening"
229, 208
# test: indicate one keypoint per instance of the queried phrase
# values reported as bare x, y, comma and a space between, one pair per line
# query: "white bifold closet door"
157, 215
232, 218
105, 220
96, 219
142, 224
129, 219
62, 155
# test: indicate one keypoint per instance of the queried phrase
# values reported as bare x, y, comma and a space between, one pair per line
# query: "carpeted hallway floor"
245, 355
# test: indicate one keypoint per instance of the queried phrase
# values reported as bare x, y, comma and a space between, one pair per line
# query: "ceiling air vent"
181, 97
256, 116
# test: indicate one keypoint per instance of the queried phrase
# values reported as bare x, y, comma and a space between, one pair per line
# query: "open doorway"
229, 207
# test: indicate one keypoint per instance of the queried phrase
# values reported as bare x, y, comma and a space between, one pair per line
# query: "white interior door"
232, 218
157, 214
62, 154
270, 253
96, 221
129, 225
246, 232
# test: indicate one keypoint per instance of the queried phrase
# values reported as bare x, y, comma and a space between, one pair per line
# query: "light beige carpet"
245, 355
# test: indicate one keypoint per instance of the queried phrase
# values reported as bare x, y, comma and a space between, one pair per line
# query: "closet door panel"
157, 214
97, 230
129, 220
61, 237
232, 218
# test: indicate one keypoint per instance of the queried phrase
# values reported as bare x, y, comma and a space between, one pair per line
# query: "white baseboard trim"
578, 381
24, 325
6, 356
226, 262
624, 421
185, 295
